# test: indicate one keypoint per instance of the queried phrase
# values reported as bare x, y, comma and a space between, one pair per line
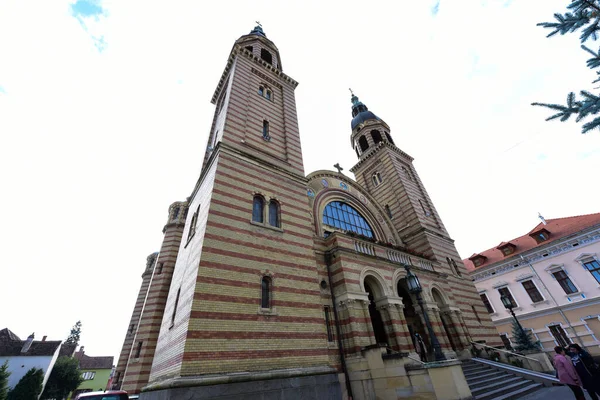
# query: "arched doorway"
446, 322
413, 321
374, 291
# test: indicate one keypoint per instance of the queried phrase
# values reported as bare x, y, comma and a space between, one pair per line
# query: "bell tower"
390, 176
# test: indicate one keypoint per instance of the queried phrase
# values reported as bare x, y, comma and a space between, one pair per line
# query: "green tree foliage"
75, 334
583, 15
29, 387
4, 374
523, 338
64, 378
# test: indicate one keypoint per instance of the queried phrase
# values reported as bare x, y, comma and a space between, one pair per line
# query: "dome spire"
357, 106
258, 30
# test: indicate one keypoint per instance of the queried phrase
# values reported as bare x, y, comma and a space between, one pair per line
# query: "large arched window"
258, 209
376, 136
274, 214
265, 55
344, 216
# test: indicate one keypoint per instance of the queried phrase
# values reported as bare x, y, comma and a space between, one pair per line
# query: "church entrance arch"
446, 322
413, 320
375, 292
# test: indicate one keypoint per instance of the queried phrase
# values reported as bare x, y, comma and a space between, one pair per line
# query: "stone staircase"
488, 383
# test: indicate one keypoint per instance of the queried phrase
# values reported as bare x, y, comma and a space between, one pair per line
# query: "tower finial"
258, 23
351, 92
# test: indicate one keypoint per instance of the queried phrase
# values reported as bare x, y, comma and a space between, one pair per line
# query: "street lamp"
508, 304
414, 287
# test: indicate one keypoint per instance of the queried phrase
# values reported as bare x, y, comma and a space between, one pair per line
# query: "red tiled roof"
558, 228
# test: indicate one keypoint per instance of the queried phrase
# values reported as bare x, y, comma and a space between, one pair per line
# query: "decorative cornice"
375, 149
538, 253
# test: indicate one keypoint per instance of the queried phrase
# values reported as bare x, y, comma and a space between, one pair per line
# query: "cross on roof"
258, 23
337, 166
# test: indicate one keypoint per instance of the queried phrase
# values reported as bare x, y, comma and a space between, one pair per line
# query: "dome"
362, 117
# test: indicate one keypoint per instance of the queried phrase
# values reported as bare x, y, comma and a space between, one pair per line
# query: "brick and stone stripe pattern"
133, 322
138, 368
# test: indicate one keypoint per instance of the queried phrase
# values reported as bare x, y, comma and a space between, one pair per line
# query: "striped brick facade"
202, 320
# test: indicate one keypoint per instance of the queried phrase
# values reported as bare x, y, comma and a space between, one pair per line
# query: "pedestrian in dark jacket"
586, 369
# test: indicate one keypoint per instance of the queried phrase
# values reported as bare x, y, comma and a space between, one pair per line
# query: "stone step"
488, 381
517, 394
484, 374
493, 384
504, 390
475, 369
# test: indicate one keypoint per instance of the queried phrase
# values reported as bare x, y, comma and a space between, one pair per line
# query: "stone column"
367, 318
454, 316
401, 333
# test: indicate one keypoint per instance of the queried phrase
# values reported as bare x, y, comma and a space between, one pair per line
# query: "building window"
261, 90
427, 214
388, 211
362, 142
265, 298
249, 48
541, 235
389, 138
505, 292
486, 303
532, 291
376, 136
269, 95
131, 326
560, 336
265, 130
476, 315
345, 217
88, 375
159, 268
138, 350
175, 212
594, 268
175, 308
376, 179
274, 214
565, 282
506, 341
456, 267
328, 324
193, 223
258, 205
266, 56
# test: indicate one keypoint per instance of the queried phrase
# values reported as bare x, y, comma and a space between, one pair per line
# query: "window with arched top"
376, 177
258, 205
265, 130
389, 138
269, 95
265, 296
266, 56
343, 216
362, 142
376, 136
261, 90
274, 214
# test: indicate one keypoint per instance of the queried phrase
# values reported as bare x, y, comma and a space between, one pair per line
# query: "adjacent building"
551, 276
269, 280
22, 355
95, 371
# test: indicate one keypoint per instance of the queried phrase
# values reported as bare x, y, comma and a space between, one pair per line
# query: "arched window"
389, 138
266, 56
269, 95
274, 214
249, 48
344, 216
376, 179
362, 142
265, 297
261, 90
376, 136
265, 130
258, 205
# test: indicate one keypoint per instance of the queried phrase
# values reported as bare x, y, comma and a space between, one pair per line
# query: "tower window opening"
265, 130
328, 324
388, 211
427, 214
258, 209
389, 138
266, 56
159, 269
193, 223
175, 308
138, 350
274, 214
265, 298
249, 48
269, 95
175, 212
376, 136
376, 177
261, 90
362, 142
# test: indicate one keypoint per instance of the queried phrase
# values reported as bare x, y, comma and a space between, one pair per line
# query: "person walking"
420, 347
566, 373
586, 369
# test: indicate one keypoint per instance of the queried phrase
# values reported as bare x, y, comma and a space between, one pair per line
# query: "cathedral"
271, 283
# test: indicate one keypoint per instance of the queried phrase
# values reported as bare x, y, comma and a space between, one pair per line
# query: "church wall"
226, 313
168, 356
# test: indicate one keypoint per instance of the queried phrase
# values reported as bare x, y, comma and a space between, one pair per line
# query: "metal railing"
506, 351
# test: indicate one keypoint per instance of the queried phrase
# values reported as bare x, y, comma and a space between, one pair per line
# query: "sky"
105, 111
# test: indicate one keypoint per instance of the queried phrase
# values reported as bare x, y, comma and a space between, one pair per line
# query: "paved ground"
553, 393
